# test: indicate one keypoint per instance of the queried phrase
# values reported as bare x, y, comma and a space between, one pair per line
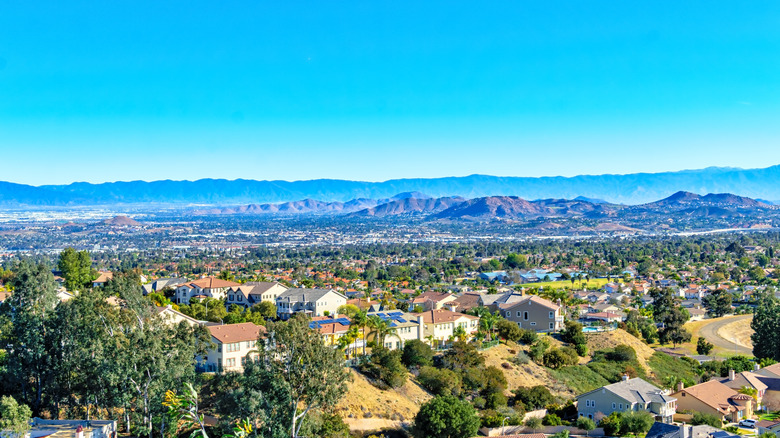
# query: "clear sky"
374, 90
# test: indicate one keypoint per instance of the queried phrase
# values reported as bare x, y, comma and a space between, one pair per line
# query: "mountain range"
681, 204
596, 189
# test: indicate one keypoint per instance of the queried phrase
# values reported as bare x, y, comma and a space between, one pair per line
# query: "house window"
621, 406
508, 314
614, 405
533, 323
240, 298
552, 326
552, 315
525, 316
230, 297
518, 314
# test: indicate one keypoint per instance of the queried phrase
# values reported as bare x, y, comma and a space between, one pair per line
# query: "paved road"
710, 332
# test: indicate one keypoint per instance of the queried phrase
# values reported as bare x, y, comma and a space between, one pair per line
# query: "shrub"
508, 330
439, 382
521, 358
534, 423
704, 347
582, 349
705, 418
621, 353
417, 353
494, 400
533, 398
585, 423
560, 357
612, 424
537, 350
527, 336
386, 366
551, 420
446, 417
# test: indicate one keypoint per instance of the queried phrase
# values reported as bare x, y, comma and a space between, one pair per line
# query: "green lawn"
580, 379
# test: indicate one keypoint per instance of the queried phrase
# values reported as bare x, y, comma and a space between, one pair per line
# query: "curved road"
710, 332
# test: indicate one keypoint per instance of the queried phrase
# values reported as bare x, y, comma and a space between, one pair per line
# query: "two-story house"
534, 313
161, 283
313, 302
431, 300
406, 326
234, 345
440, 325
713, 397
253, 292
627, 395
209, 287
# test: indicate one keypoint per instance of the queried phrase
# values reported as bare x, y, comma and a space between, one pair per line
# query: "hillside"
410, 206
367, 401
122, 221
491, 207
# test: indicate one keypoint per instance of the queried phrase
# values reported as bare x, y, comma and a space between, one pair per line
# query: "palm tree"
459, 333
349, 338
360, 319
380, 328
487, 322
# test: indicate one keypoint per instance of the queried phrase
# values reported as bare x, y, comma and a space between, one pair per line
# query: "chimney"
756, 367
685, 432
79, 432
732, 376
680, 385
421, 330
625, 377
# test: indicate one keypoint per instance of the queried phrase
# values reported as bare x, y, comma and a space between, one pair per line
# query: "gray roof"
637, 390
662, 430
256, 287
305, 295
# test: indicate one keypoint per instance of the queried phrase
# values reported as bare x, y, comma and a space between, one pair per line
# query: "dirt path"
717, 331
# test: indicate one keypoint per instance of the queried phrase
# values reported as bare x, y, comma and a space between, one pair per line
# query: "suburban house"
534, 313
747, 379
441, 324
332, 329
172, 316
607, 317
407, 326
770, 376
102, 279
494, 301
162, 283
234, 345
663, 430
431, 300
627, 395
464, 302
313, 302
253, 292
209, 287
713, 397
768, 426
493, 276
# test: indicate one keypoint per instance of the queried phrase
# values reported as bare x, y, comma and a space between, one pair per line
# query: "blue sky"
124, 90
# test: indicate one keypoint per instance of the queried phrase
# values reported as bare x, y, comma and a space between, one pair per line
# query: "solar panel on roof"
396, 313
392, 324
401, 320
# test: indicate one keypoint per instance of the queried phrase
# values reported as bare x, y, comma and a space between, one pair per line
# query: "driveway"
710, 333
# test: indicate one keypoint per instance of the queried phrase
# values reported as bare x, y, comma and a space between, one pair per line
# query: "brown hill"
121, 221
688, 200
410, 206
495, 207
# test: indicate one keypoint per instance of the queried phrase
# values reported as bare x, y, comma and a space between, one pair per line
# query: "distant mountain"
514, 208
295, 207
628, 189
591, 200
410, 206
687, 200
121, 221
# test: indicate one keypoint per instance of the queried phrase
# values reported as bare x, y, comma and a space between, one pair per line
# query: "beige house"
253, 292
103, 278
407, 326
431, 300
234, 345
440, 324
534, 313
209, 287
313, 302
713, 397
172, 316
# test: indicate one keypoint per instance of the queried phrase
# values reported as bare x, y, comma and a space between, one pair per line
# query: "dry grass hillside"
530, 374
604, 340
364, 400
